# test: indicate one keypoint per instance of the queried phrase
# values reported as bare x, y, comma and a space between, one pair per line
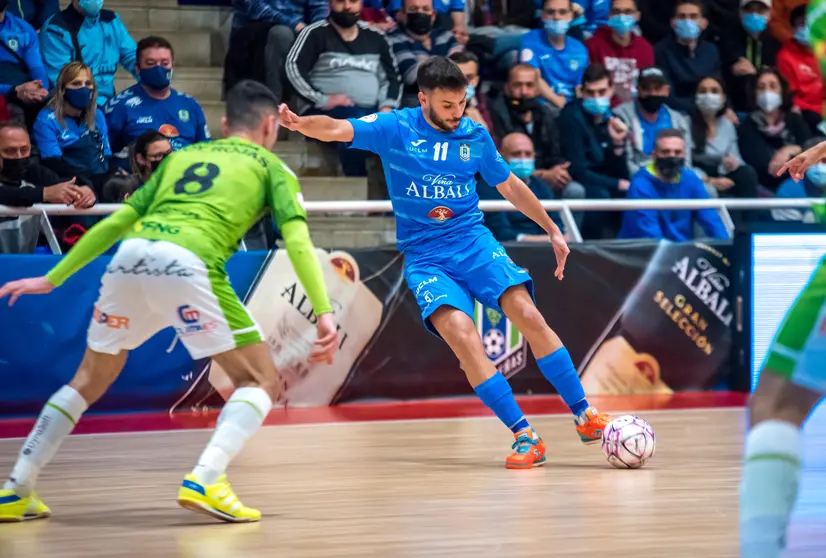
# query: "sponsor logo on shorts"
440, 213
428, 281
192, 318
110, 320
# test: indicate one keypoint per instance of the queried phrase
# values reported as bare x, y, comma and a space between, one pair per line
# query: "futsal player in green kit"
178, 231
792, 381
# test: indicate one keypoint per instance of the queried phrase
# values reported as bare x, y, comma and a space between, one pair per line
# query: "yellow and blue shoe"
14, 508
216, 500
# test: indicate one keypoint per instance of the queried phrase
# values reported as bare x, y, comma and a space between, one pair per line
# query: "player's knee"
461, 330
531, 320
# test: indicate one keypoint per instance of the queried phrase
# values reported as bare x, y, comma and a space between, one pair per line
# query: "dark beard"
442, 124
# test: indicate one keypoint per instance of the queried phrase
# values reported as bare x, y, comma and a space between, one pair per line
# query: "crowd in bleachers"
594, 99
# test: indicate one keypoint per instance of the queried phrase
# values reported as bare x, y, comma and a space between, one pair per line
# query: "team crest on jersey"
574, 64
369, 118
183, 115
504, 345
14, 44
464, 152
440, 214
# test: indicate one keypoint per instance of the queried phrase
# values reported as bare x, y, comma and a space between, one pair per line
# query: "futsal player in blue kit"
431, 155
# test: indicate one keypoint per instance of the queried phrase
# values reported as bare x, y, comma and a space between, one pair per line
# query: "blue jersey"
561, 69
133, 112
73, 141
20, 38
431, 176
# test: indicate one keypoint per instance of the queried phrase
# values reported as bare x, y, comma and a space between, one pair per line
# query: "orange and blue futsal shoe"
590, 425
529, 450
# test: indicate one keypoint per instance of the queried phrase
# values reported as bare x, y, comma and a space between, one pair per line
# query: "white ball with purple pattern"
628, 442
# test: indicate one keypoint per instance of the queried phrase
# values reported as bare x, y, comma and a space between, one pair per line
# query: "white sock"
56, 421
771, 474
239, 420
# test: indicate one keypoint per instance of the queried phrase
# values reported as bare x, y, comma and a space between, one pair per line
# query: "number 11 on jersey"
440, 151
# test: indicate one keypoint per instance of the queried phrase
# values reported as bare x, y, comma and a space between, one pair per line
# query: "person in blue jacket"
35, 12
813, 185
71, 131
89, 34
152, 104
23, 79
667, 178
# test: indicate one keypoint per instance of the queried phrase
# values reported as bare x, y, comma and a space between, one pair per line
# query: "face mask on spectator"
14, 169
598, 106
622, 24
91, 8
769, 100
709, 103
344, 19
155, 164
652, 103
522, 168
419, 24
687, 29
816, 175
801, 35
755, 23
156, 77
80, 98
524, 104
669, 167
557, 27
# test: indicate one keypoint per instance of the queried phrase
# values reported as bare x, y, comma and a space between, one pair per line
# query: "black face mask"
3, 5
155, 164
669, 167
419, 24
342, 19
524, 104
652, 103
15, 169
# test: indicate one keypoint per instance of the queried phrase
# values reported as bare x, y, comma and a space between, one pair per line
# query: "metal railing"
564, 207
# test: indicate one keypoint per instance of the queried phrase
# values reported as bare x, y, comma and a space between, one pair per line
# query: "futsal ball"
628, 442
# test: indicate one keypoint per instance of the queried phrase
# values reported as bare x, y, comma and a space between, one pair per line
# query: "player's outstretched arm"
516, 192
320, 127
798, 166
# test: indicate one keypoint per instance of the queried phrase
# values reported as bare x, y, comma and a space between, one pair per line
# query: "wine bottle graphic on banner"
672, 332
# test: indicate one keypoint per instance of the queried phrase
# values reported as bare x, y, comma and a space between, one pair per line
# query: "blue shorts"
482, 271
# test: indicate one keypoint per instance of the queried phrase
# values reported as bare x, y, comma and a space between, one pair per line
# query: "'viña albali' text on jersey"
431, 175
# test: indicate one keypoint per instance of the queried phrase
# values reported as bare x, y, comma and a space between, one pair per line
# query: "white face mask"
709, 103
769, 100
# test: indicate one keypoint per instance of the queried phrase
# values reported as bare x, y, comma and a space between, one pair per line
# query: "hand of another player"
288, 118
327, 343
561, 252
798, 166
33, 285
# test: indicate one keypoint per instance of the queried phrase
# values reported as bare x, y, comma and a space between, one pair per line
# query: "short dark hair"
798, 13
698, 3
249, 102
463, 57
146, 139
596, 72
668, 133
439, 72
118, 187
152, 42
11, 124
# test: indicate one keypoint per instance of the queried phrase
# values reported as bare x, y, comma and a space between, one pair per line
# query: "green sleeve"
303, 257
94, 243
285, 197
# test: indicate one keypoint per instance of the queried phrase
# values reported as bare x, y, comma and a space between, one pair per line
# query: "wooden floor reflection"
412, 489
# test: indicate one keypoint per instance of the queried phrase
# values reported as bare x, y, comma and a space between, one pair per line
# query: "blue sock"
559, 369
496, 393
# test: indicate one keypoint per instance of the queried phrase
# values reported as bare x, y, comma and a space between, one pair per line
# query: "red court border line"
383, 411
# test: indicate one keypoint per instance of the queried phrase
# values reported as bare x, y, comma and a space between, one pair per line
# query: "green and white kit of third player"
178, 231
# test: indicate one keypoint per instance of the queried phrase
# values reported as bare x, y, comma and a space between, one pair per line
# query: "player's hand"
561, 252
33, 285
288, 118
327, 343
798, 166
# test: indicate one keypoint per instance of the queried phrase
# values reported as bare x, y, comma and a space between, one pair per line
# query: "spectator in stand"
476, 107
414, 41
560, 59
34, 12
344, 70
716, 148
517, 149
667, 178
518, 110
374, 13
813, 185
773, 133
624, 53
24, 183
23, 78
86, 33
797, 63
151, 104
746, 48
647, 116
450, 15
655, 19
591, 15
71, 131
145, 156
263, 32
594, 144
781, 25
686, 58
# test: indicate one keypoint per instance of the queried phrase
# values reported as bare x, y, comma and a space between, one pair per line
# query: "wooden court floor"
412, 489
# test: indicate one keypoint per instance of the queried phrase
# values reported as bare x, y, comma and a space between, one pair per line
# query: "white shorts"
152, 285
